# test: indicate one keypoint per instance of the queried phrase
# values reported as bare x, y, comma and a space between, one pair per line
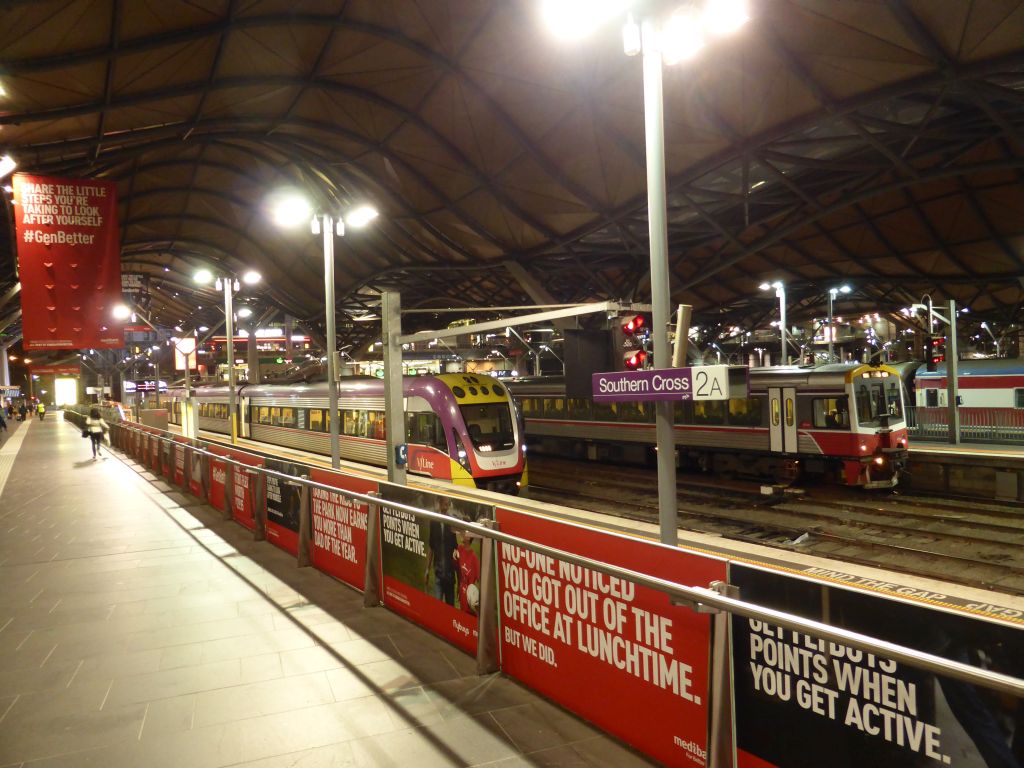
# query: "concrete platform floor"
137, 628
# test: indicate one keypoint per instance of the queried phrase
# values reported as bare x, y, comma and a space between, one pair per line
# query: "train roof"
993, 366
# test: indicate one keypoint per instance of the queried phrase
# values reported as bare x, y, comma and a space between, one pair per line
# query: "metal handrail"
690, 595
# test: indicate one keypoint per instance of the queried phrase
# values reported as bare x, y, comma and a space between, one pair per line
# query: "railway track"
977, 545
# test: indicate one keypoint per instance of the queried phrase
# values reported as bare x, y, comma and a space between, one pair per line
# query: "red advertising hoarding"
69, 261
72, 369
179, 460
339, 526
619, 655
243, 484
431, 568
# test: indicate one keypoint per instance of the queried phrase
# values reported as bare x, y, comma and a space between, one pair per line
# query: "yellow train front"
459, 427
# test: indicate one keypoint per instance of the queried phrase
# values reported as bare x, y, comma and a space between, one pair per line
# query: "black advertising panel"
806, 703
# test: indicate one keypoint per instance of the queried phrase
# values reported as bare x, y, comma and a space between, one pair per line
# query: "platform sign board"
339, 526
431, 570
69, 262
284, 502
705, 382
243, 484
67, 369
619, 655
846, 708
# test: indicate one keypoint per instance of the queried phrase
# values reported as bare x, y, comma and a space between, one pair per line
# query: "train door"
782, 419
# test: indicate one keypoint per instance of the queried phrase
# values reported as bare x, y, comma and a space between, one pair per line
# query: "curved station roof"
877, 144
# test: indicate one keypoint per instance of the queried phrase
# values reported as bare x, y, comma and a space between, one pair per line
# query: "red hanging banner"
69, 261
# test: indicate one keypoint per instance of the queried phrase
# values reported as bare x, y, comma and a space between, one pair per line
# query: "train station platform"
138, 627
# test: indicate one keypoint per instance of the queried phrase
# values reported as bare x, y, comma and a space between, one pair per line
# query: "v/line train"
458, 427
844, 422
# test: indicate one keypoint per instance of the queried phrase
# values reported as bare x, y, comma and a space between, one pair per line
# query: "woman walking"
96, 428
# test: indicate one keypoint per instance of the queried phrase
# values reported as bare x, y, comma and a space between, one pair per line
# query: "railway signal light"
633, 325
935, 351
634, 360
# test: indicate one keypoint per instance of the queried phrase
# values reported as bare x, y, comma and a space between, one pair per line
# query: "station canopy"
876, 144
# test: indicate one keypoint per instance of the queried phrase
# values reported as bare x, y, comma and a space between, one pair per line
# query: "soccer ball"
473, 597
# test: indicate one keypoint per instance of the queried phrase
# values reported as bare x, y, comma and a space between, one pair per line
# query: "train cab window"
871, 403
745, 411
1018, 398
931, 398
489, 426
831, 412
894, 399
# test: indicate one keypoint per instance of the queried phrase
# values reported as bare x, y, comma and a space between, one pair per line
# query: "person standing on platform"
22, 410
42, 410
96, 428
3, 422
440, 559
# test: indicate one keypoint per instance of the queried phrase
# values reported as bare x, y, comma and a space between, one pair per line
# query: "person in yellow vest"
41, 410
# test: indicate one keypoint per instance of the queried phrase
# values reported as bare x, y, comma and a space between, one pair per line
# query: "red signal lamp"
635, 360
633, 325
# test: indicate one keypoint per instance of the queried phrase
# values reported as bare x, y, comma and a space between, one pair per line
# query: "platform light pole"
780, 293
291, 209
229, 284
662, 39
832, 293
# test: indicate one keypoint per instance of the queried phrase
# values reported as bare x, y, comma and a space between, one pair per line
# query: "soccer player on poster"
468, 574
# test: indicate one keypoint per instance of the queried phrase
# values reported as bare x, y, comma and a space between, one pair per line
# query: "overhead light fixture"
122, 311
575, 19
251, 277
7, 164
245, 312
361, 216
723, 17
683, 36
203, 276
290, 210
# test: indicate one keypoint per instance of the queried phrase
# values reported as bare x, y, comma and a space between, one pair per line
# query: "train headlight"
879, 460
863, 446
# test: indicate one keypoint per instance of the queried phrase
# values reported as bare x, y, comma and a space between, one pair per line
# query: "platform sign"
619, 655
284, 502
431, 570
339, 526
705, 382
846, 708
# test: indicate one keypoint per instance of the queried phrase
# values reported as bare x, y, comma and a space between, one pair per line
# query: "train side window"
745, 411
682, 412
831, 412
1018, 398
426, 428
931, 398
578, 408
790, 412
606, 412
288, 417
709, 412
316, 420
776, 412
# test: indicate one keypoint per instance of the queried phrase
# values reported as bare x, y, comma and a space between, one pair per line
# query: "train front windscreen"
877, 399
489, 426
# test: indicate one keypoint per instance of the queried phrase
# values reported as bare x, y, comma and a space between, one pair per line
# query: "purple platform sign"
705, 382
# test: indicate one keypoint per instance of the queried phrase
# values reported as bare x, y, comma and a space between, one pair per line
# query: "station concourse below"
137, 627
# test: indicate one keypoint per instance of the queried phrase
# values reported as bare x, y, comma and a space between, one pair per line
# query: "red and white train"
991, 404
844, 422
